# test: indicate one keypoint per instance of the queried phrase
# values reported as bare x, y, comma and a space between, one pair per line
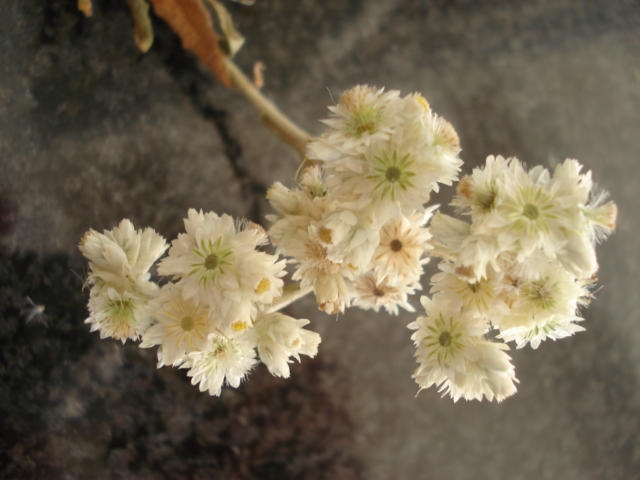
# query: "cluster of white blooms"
355, 229
523, 266
355, 225
214, 314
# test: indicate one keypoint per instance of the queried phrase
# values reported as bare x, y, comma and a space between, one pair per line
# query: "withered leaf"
85, 7
143, 31
192, 22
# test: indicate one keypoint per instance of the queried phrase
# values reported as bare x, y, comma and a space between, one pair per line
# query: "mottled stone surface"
91, 131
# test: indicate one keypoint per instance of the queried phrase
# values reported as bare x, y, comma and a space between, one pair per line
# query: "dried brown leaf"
143, 31
85, 7
192, 22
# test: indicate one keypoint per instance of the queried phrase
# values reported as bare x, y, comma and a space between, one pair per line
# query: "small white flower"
528, 215
297, 209
601, 216
453, 356
363, 114
349, 236
216, 263
449, 233
280, 337
545, 305
489, 374
403, 242
121, 258
327, 278
120, 316
483, 298
370, 292
553, 328
477, 193
183, 326
223, 360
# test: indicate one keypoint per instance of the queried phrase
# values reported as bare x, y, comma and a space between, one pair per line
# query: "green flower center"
363, 121
475, 287
542, 294
122, 310
211, 262
393, 174
531, 211
486, 200
187, 324
213, 257
445, 339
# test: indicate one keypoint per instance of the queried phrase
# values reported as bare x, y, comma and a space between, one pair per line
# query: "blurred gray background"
92, 131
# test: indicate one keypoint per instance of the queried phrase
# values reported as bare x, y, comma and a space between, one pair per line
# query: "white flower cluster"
355, 229
355, 225
523, 267
213, 316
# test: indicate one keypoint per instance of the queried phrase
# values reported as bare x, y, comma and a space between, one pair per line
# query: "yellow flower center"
187, 324
263, 286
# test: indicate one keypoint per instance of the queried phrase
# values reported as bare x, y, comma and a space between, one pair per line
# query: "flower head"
222, 360
121, 258
453, 355
183, 326
403, 243
122, 316
280, 337
216, 263
370, 292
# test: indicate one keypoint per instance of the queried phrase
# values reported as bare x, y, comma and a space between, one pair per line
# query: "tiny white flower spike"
120, 316
183, 326
222, 360
403, 243
121, 258
371, 292
280, 337
544, 307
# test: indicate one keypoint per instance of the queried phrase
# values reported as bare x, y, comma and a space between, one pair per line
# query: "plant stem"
273, 118
292, 292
